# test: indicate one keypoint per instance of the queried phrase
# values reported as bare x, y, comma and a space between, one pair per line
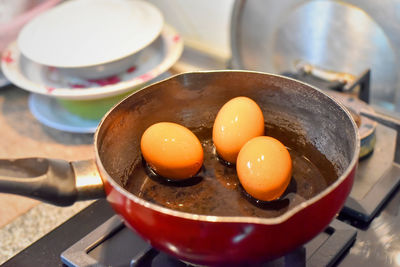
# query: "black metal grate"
112, 244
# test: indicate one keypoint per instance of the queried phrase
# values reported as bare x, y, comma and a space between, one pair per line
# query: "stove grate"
113, 244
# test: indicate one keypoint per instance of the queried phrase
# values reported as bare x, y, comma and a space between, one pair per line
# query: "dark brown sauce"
216, 189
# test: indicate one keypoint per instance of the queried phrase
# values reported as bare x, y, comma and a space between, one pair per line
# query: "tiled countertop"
32, 225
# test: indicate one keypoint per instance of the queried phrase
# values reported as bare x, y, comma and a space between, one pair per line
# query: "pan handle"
58, 182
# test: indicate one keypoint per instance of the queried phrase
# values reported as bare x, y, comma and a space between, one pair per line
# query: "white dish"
83, 33
153, 61
103, 70
48, 111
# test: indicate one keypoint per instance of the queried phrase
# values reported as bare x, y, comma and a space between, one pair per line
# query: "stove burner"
383, 163
366, 126
113, 244
155, 258
378, 175
326, 79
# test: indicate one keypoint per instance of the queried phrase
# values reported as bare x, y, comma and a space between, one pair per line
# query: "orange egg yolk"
264, 168
172, 150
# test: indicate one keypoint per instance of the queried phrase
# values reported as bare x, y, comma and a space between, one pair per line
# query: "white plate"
153, 61
48, 111
82, 33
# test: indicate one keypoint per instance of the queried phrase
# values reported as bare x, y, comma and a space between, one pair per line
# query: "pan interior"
319, 134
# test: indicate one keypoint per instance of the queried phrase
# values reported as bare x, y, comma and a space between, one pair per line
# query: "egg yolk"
238, 121
172, 150
264, 168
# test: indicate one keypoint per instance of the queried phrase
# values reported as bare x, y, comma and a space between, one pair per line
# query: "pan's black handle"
55, 181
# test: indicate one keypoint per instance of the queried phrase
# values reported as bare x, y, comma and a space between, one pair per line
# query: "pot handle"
55, 181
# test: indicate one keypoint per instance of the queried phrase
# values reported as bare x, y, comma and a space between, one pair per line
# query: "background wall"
204, 24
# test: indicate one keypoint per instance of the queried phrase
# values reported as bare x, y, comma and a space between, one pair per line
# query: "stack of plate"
83, 56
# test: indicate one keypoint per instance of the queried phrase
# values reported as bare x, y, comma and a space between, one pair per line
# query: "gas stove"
97, 237
100, 247
364, 233
92, 236
378, 173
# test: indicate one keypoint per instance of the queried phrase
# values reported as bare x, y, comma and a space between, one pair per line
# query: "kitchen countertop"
22, 220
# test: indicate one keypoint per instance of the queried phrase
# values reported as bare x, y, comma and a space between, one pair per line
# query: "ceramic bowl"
91, 38
102, 70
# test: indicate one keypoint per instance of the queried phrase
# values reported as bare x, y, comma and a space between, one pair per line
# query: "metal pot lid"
348, 36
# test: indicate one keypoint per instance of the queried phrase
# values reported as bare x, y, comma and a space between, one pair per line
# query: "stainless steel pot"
347, 36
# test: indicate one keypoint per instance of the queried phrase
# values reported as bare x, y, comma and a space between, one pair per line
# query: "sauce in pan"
216, 189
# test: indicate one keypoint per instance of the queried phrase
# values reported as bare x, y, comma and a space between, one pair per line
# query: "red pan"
209, 219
